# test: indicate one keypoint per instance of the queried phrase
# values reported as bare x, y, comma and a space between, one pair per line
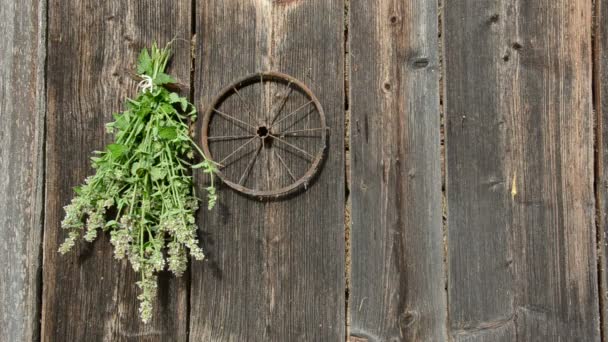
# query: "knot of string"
145, 84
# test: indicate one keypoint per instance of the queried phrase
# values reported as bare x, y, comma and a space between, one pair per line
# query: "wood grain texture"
22, 109
601, 182
521, 228
275, 270
88, 295
397, 285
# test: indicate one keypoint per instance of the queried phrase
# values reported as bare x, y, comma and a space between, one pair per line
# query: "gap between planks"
596, 93
347, 169
442, 148
43, 14
191, 98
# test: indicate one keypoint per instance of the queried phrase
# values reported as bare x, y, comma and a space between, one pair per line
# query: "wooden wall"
464, 196
520, 176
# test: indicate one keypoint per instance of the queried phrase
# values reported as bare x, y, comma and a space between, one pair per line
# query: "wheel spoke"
230, 117
245, 102
292, 146
268, 173
296, 122
238, 149
261, 114
250, 165
284, 164
230, 137
279, 109
293, 112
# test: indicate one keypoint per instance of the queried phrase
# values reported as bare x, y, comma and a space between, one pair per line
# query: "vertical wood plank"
88, 295
275, 270
397, 287
601, 184
521, 234
22, 109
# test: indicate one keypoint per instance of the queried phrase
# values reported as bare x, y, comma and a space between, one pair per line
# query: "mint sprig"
142, 191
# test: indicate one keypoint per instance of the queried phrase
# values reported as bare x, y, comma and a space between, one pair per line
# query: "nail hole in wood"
421, 62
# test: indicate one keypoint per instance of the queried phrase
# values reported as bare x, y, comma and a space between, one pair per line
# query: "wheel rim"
269, 135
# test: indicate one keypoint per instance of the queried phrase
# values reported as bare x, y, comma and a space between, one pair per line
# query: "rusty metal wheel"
267, 132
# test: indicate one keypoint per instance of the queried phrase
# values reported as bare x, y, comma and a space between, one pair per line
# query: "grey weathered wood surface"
275, 270
22, 108
397, 284
601, 152
521, 235
88, 295
520, 244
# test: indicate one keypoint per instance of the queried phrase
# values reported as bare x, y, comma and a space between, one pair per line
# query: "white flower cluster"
178, 263
183, 229
148, 286
175, 233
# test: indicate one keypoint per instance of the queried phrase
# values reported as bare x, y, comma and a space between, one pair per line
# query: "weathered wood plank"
397, 285
601, 183
521, 235
22, 109
275, 270
88, 295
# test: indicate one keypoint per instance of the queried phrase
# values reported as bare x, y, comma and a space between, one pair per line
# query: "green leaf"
111, 223
144, 63
135, 167
173, 98
184, 104
117, 150
168, 133
207, 166
158, 173
122, 122
163, 78
167, 108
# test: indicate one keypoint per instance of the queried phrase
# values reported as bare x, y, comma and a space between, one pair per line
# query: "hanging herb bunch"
142, 191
